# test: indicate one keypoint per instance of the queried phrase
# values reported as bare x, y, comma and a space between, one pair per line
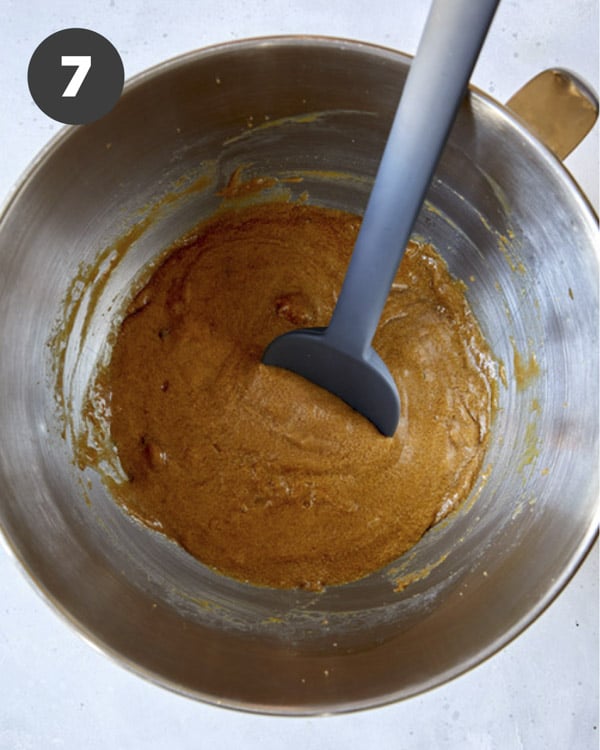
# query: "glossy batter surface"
254, 470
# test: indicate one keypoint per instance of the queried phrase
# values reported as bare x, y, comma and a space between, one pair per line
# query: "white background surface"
541, 691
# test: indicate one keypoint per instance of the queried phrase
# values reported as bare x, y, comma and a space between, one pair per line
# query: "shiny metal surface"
509, 221
574, 108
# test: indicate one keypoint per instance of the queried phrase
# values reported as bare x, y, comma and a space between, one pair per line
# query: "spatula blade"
362, 381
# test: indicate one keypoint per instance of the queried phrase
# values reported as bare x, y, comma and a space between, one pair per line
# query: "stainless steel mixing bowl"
510, 222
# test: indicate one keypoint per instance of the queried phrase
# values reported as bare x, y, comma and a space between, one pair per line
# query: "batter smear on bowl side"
254, 470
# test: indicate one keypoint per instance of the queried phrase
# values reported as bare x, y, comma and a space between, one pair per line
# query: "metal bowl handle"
558, 108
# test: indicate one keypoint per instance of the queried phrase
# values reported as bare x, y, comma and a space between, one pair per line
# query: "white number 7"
83, 63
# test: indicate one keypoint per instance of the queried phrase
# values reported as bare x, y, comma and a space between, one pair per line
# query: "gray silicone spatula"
340, 357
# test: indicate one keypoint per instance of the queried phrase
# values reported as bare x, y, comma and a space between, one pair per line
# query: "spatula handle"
436, 83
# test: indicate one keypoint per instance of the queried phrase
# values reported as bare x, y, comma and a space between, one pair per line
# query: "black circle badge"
75, 76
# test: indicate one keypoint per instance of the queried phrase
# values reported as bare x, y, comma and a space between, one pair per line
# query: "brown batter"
254, 470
